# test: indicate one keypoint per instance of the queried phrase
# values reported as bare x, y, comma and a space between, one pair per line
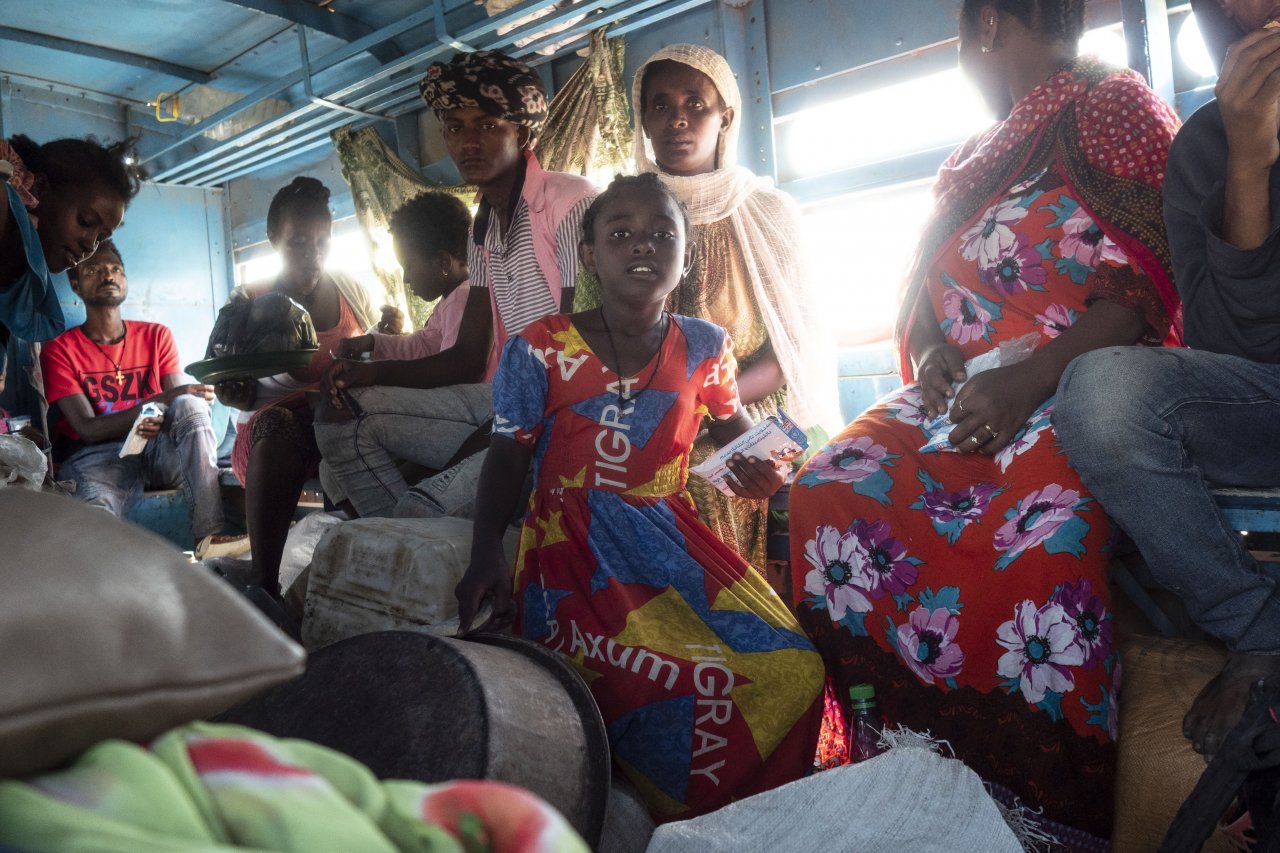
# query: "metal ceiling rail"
320, 124
673, 7
275, 87
317, 126
321, 20
394, 99
469, 35
304, 57
81, 48
595, 23
230, 152
475, 31
583, 28
251, 169
442, 32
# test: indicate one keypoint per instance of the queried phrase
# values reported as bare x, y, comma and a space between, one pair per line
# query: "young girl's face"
638, 248
425, 274
73, 220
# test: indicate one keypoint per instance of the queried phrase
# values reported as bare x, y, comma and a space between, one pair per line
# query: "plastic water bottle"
864, 724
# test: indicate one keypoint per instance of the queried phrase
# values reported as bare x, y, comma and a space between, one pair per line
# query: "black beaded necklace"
613, 349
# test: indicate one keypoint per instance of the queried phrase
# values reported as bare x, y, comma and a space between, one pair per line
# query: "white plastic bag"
1002, 355
301, 543
22, 464
134, 443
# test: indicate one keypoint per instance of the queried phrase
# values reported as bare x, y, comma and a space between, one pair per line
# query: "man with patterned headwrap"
523, 262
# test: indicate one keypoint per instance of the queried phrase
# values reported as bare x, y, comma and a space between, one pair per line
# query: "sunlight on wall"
348, 253
859, 250
1108, 44
1192, 49
920, 114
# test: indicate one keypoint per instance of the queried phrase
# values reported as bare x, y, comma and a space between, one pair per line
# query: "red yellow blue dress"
709, 689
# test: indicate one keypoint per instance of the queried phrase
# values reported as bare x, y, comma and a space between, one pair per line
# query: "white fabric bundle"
766, 225
22, 464
906, 799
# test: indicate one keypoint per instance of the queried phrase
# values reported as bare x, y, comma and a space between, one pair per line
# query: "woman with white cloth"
748, 276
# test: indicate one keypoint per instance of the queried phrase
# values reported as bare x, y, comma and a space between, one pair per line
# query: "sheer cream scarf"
766, 225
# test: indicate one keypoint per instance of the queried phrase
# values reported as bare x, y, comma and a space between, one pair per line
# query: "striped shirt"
520, 290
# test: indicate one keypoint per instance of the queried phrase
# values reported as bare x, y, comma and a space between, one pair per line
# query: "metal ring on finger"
994, 434
976, 441
960, 406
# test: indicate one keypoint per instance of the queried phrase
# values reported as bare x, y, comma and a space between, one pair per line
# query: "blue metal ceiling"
364, 55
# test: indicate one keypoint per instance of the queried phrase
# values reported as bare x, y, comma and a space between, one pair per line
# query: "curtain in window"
381, 182
588, 129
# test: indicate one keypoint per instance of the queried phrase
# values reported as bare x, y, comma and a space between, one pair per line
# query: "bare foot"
1221, 703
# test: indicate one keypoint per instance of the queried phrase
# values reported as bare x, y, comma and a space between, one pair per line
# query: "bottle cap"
862, 692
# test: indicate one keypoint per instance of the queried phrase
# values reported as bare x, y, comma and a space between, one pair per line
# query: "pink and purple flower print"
1041, 649
851, 569
860, 462
927, 644
1084, 242
839, 575
851, 460
1036, 518
1021, 269
967, 504
951, 511
1056, 319
966, 316
990, 238
1093, 624
907, 405
887, 568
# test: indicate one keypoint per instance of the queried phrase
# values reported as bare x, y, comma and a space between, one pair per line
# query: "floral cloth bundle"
210, 788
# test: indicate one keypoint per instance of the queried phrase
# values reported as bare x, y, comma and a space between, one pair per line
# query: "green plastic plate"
252, 365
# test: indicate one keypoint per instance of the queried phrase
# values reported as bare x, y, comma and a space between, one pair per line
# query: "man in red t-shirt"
100, 374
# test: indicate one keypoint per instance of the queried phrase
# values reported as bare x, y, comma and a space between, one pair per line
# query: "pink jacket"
439, 333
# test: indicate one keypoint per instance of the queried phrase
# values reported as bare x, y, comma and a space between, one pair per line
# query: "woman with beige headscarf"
748, 276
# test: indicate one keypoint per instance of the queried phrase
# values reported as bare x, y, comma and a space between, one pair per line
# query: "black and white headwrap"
492, 81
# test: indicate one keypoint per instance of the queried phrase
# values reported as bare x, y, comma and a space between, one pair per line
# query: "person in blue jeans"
1149, 430
100, 374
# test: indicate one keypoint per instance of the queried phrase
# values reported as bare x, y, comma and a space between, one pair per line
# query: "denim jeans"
426, 426
182, 455
452, 492
1149, 430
